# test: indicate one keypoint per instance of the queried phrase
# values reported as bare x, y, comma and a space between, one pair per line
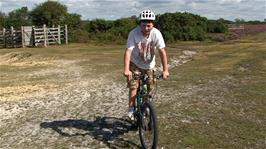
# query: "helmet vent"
147, 15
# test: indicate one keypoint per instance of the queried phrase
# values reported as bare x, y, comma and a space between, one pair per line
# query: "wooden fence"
10, 38
33, 36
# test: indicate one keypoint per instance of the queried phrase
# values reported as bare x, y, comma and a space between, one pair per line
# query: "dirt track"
68, 106
77, 111
86, 113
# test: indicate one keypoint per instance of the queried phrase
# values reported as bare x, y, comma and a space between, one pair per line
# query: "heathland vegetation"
75, 96
174, 26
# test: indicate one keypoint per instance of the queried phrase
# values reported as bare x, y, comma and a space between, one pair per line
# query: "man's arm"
127, 56
163, 57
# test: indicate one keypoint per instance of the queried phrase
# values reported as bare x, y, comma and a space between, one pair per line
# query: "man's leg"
132, 97
133, 85
151, 80
131, 103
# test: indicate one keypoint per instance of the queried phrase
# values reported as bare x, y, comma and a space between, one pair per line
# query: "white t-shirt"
143, 48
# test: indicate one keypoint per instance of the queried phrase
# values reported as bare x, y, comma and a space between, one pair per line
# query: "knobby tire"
152, 126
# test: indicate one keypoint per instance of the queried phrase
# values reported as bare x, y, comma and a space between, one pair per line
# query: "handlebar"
145, 76
158, 76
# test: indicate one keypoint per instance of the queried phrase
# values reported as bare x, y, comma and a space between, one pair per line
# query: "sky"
115, 9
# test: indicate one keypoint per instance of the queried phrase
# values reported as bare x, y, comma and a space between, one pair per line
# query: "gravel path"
82, 114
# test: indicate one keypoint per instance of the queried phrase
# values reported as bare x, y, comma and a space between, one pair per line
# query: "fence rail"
10, 38
33, 36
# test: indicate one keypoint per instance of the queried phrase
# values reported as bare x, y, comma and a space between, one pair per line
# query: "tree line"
174, 26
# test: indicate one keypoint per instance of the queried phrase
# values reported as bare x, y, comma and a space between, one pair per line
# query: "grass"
237, 119
217, 100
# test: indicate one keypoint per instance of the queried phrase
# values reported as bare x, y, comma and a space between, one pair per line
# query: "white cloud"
114, 9
232, 0
194, 5
9, 5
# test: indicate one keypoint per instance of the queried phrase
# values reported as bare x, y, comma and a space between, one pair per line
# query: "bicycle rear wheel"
148, 132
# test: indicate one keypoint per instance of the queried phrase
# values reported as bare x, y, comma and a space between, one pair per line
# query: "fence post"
33, 41
22, 37
12, 36
59, 35
44, 34
66, 36
4, 37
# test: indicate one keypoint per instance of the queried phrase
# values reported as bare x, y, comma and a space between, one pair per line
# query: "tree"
182, 26
225, 21
49, 13
123, 26
73, 20
239, 21
2, 20
254, 22
18, 17
76, 32
98, 26
216, 26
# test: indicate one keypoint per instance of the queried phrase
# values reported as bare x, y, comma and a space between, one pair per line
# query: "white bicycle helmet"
147, 15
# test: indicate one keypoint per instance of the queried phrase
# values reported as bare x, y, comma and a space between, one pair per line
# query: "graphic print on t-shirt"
146, 50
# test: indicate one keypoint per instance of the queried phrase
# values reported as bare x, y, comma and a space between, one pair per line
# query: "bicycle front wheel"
148, 132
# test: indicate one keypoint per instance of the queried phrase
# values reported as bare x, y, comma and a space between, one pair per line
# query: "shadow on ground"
109, 130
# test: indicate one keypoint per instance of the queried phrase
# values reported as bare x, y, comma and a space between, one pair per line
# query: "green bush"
182, 26
79, 36
216, 26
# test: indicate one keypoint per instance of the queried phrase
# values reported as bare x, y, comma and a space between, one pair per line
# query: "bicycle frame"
142, 91
143, 104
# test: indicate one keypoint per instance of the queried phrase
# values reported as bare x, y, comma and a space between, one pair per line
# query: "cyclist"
142, 43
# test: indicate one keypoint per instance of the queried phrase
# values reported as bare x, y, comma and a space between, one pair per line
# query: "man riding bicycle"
143, 41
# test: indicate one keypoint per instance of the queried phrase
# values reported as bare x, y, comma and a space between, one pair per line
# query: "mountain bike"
145, 115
